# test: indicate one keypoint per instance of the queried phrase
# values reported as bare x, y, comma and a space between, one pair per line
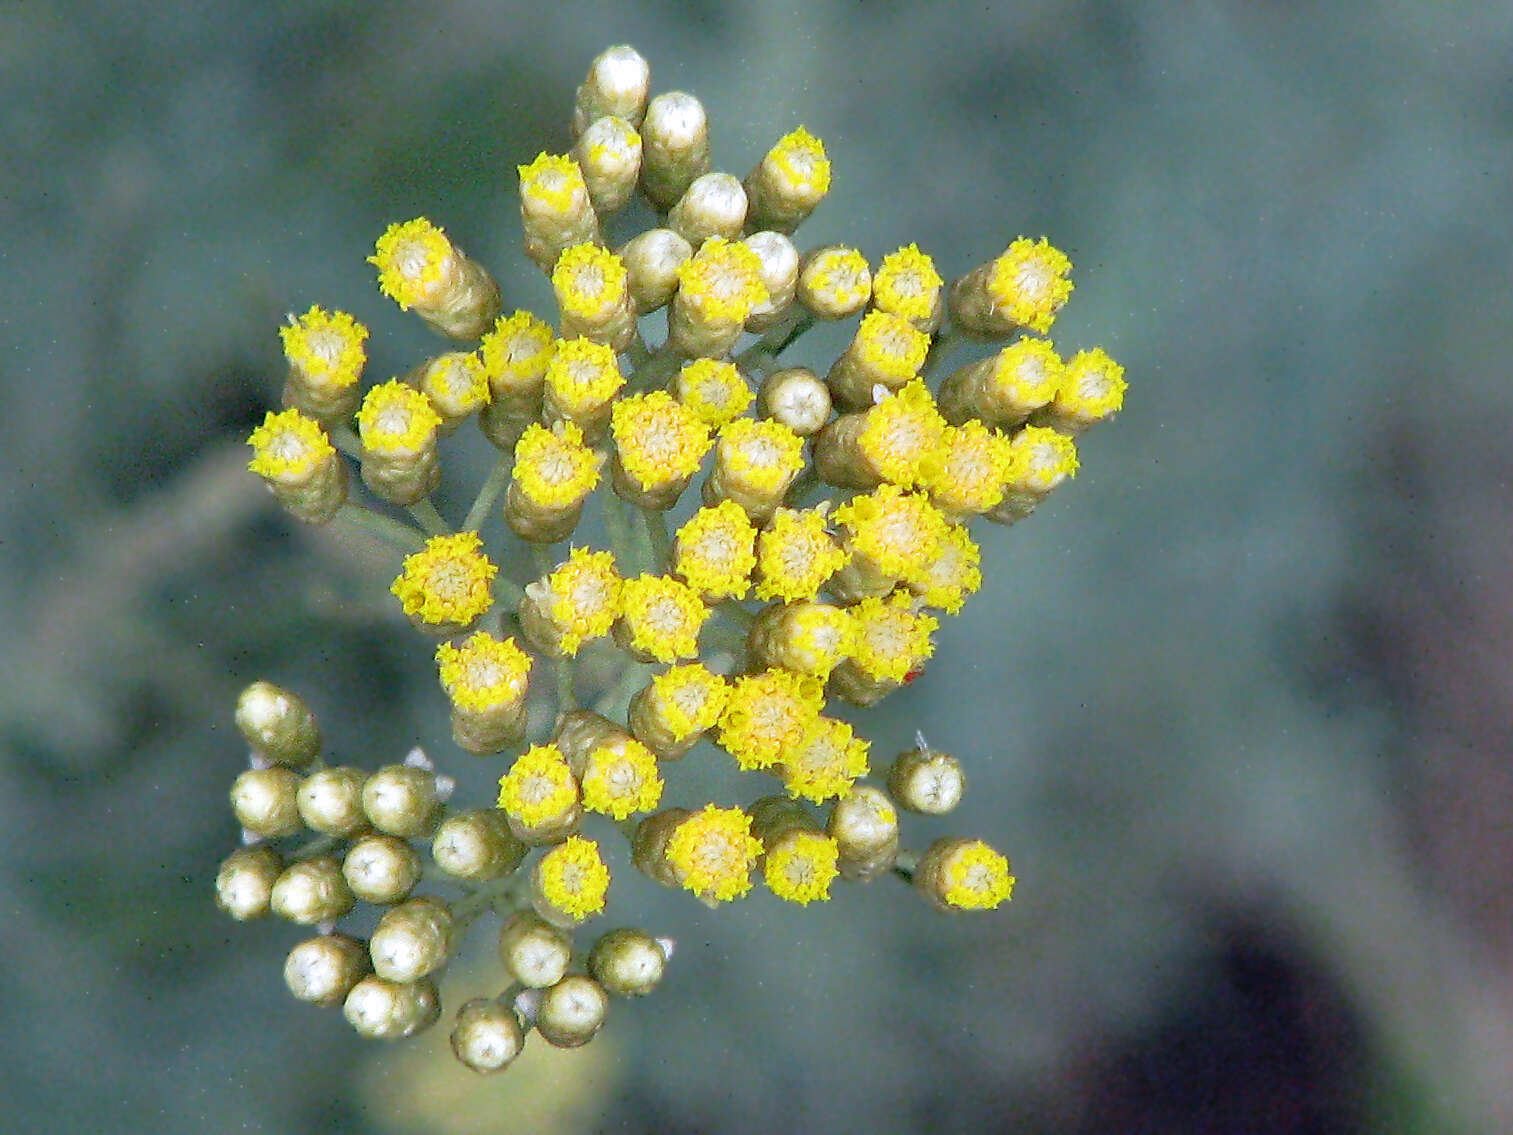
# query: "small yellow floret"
589, 281
907, 285
659, 440
1029, 283
892, 639
1027, 374
539, 787
573, 878
800, 158
767, 715
662, 617
620, 779
796, 555
446, 582
972, 469
954, 575
583, 375
801, 866
288, 447
762, 456
552, 183
715, 551
815, 637
721, 284
396, 420
585, 594
826, 763
457, 383
889, 347
976, 877
902, 435
411, 259
483, 673
712, 853
1043, 459
326, 348
516, 352
839, 277
553, 468
691, 698
1092, 386
714, 390
895, 532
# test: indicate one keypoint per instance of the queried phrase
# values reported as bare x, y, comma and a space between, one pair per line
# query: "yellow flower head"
662, 617
767, 715
553, 468
907, 285
692, 697
590, 282
712, 853
976, 877
456, 383
763, 456
837, 280
1026, 375
516, 352
902, 435
714, 390
826, 762
715, 551
954, 575
800, 866
583, 376
552, 186
892, 639
396, 420
326, 348
411, 258
889, 347
447, 581
721, 283
971, 470
897, 533
484, 673
539, 786
796, 555
1043, 459
621, 778
289, 447
573, 878
800, 162
585, 593
1029, 283
659, 441
1092, 386
810, 638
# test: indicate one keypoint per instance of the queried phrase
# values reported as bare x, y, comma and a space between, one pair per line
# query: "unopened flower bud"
277, 724
487, 1036
572, 1011
864, 825
617, 83
533, 951
330, 801
401, 800
418, 267
322, 970
555, 209
412, 940
675, 146
476, 845
713, 205
244, 884
627, 962
265, 801
926, 780
609, 154
381, 869
797, 398
780, 274
652, 260
389, 1010
311, 891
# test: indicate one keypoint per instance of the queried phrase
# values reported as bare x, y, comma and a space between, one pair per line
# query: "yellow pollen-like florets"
326, 347
897, 533
585, 594
907, 285
692, 697
796, 555
767, 715
456, 383
583, 376
892, 639
589, 281
826, 762
411, 259
800, 158
972, 469
801, 866
1026, 375
516, 352
539, 786
1029, 283
954, 575
484, 672
976, 877
722, 282
553, 468
552, 184
714, 390
763, 456
446, 582
662, 617
715, 550
573, 878
620, 779
890, 347
712, 853
1092, 387
902, 436
288, 447
1043, 459
836, 281
806, 637
396, 420
659, 441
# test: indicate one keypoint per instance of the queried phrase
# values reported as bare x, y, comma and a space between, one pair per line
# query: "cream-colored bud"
796, 397
381, 869
864, 825
277, 724
834, 282
265, 801
476, 845
713, 205
627, 962
926, 780
572, 1011
322, 970
651, 264
675, 146
609, 154
330, 801
780, 272
401, 800
244, 884
534, 952
388, 1010
311, 891
487, 1036
412, 940
617, 83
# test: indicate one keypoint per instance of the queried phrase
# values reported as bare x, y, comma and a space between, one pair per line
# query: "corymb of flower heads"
702, 542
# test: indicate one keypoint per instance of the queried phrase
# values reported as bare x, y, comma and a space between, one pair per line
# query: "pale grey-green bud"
487, 1036
277, 724
381, 869
534, 952
412, 940
627, 962
330, 801
322, 970
244, 884
572, 1011
477, 845
266, 801
926, 780
864, 825
796, 397
388, 1010
311, 891
401, 800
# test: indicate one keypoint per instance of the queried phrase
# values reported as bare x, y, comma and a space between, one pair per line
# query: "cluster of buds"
773, 539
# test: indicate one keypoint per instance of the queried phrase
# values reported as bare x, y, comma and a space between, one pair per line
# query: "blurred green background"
1236, 702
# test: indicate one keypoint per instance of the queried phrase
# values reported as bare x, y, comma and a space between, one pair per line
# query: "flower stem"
428, 518
488, 493
396, 532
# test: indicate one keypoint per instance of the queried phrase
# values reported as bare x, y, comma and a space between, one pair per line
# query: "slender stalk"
655, 524
396, 532
943, 344
347, 441
428, 518
778, 339
617, 524
488, 493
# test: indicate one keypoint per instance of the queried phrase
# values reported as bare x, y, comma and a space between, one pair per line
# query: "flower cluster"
767, 542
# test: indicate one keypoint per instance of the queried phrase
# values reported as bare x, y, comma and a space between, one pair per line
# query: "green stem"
944, 342
617, 525
655, 523
488, 493
347, 441
778, 339
396, 532
428, 518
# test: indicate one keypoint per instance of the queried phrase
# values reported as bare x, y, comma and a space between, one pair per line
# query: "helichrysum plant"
766, 542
